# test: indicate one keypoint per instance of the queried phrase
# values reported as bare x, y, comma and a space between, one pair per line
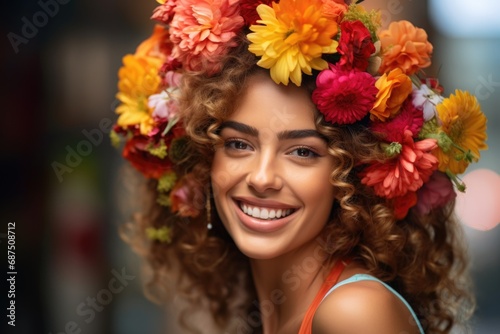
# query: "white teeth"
265, 213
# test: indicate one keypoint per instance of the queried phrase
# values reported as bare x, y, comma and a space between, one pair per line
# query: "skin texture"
362, 307
272, 157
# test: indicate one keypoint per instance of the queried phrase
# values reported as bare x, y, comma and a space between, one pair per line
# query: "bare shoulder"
363, 307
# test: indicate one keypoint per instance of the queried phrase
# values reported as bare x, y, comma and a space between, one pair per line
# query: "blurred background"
65, 187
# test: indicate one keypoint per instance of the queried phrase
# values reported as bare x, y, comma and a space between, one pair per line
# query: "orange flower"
406, 172
157, 46
405, 46
334, 9
393, 89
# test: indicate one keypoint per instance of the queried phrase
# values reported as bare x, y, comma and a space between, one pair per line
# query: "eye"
236, 144
304, 152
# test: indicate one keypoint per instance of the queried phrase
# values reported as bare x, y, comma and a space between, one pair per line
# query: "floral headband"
376, 76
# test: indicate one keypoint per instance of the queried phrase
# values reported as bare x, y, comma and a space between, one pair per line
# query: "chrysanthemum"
405, 46
291, 38
344, 96
203, 31
406, 172
165, 11
138, 79
465, 124
410, 118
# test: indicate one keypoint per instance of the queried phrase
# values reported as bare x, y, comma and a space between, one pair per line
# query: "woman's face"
270, 176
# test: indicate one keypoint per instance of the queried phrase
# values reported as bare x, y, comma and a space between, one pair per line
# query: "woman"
291, 203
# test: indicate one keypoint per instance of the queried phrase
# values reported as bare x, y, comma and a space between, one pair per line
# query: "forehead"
264, 104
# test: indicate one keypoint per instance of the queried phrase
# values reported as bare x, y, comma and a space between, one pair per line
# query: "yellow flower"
291, 38
465, 125
138, 79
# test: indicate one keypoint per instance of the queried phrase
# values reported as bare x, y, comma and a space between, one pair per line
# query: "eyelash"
231, 142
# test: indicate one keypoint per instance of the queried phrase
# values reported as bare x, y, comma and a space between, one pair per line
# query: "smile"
265, 213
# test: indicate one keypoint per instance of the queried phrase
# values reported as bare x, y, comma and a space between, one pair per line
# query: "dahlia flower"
203, 31
405, 46
464, 123
410, 118
406, 172
291, 38
344, 96
393, 89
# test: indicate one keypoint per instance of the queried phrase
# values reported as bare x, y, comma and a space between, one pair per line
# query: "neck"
287, 285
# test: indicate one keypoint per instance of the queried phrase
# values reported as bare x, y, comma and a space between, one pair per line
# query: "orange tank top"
331, 280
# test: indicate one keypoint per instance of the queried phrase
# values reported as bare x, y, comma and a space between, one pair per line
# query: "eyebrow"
282, 135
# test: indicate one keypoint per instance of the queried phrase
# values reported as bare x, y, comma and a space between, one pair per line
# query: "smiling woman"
295, 170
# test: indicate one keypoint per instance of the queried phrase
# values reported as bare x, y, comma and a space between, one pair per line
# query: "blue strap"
365, 277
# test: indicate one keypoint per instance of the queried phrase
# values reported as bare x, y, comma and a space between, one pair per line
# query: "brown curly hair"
422, 257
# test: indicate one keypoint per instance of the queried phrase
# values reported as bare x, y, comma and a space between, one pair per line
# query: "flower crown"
365, 74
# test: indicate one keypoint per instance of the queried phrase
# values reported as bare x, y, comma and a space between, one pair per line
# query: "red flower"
406, 172
187, 197
410, 118
404, 203
136, 152
355, 45
248, 9
344, 96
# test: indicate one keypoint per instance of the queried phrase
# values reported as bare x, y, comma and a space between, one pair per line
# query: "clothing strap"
331, 280
365, 277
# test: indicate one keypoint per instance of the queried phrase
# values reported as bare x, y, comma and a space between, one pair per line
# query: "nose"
264, 175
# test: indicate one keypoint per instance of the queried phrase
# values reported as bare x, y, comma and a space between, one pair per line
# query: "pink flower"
164, 104
355, 45
344, 96
164, 12
202, 32
406, 172
435, 193
410, 118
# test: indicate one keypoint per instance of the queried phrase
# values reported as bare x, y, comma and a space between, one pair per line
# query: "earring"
208, 208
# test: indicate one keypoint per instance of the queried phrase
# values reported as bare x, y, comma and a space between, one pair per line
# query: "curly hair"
422, 257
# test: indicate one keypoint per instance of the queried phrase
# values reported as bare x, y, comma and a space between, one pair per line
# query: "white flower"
164, 104
426, 99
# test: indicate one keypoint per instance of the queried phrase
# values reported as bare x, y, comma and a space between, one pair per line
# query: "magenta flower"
344, 96
435, 193
410, 118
